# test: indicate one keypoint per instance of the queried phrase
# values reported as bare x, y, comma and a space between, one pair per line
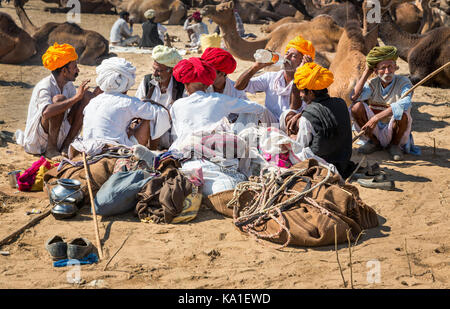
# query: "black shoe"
78, 248
57, 248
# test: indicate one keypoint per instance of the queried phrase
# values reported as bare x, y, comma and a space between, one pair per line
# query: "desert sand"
411, 246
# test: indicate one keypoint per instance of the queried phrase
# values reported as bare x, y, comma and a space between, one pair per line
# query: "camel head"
221, 13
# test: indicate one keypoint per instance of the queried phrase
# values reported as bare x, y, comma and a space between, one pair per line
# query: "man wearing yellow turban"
278, 85
55, 112
324, 125
378, 109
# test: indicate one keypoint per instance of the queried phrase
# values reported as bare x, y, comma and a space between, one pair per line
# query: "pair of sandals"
373, 178
76, 249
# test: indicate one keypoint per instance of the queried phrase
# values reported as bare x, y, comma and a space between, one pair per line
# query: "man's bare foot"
53, 155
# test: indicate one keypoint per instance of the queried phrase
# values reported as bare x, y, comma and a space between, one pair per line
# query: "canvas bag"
118, 194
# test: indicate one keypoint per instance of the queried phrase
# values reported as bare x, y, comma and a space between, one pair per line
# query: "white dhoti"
384, 131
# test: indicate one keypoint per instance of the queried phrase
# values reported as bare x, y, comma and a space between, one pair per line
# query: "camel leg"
360, 116
399, 128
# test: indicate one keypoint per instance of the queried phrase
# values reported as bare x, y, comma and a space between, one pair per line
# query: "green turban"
381, 53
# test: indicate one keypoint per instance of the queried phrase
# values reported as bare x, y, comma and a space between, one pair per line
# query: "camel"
340, 12
173, 11
285, 20
349, 62
90, 46
251, 13
407, 16
17, 46
423, 52
322, 31
86, 6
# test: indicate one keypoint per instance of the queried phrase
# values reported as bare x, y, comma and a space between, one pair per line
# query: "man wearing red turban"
201, 110
55, 113
195, 30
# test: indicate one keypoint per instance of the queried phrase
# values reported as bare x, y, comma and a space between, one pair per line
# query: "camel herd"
339, 30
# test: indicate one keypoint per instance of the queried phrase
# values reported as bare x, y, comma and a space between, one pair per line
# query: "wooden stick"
350, 257
337, 256
407, 257
356, 169
94, 214
116, 252
23, 228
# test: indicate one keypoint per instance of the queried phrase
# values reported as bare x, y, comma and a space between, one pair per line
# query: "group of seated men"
184, 96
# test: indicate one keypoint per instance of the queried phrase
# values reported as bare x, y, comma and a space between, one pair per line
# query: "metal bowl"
64, 210
66, 190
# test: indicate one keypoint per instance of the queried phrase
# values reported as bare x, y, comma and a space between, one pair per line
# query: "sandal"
56, 247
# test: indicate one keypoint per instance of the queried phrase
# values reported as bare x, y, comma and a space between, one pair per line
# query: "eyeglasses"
388, 67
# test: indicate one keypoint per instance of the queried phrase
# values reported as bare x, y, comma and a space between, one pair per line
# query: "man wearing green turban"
378, 108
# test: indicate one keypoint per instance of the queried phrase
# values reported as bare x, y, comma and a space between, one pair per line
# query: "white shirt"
230, 90
107, 117
119, 30
34, 140
161, 98
277, 92
204, 111
305, 132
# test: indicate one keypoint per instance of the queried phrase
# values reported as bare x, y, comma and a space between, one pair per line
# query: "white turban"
166, 55
149, 14
115, 75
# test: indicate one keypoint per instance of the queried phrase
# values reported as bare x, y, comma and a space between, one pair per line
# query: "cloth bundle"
33, 178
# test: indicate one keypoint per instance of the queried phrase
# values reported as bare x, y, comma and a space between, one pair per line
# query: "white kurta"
204, 111
107, 117
277, 92
162, 98
230, 90
120, 30
34, 140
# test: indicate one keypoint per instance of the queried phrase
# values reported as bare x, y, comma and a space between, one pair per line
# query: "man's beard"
387, 78
157, 79
287, 66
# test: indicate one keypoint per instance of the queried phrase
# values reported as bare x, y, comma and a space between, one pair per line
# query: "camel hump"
8, 25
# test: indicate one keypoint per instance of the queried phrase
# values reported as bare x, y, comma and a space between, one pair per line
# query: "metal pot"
64, 210
67, 190
12, 177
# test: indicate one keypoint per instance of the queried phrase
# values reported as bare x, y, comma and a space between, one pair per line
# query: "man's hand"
82, 89
306, 59
292, 120
370, 125
260, 65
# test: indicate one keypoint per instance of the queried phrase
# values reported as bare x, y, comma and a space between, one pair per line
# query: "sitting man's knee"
58, 98
358, 108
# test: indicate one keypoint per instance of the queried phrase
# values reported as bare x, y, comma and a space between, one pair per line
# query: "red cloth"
26, 180
220, 59
197, 16
194, 70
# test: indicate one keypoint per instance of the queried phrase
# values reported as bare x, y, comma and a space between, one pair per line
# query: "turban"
197, 16
219, 59
115, 75
312, 76
149, 14
301, 45
166, 55
381, 53
58, 56
194, 70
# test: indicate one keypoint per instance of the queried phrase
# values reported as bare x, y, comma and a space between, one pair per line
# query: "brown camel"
173, 11
86, 6
322, 31
90, 46
407, 16
340, 12
288, 19
16, 45
349, 62
423, 52
251, 13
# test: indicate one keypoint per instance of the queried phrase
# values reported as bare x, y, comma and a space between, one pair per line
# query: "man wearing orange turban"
324, 125
202, 111
278, 85
224, 63
55, 112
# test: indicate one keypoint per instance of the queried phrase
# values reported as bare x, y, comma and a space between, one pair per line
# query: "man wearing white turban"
152, 32
107, 120
160, 86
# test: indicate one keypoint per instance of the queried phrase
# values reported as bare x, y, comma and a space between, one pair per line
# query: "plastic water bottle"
266, 56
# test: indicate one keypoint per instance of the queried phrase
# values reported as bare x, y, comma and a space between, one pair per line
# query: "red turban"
194, 70
220, 59
197, 16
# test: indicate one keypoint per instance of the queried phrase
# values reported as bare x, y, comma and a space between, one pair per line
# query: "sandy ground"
411, 246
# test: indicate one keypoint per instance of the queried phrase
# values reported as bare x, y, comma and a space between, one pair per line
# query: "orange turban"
219, 59
58, 56
194, 70
312, 76
303, 46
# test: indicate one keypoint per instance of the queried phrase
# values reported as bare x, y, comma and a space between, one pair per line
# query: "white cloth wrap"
115, 75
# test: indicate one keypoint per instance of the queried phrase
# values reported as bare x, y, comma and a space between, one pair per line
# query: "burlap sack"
312, 223
219, 201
